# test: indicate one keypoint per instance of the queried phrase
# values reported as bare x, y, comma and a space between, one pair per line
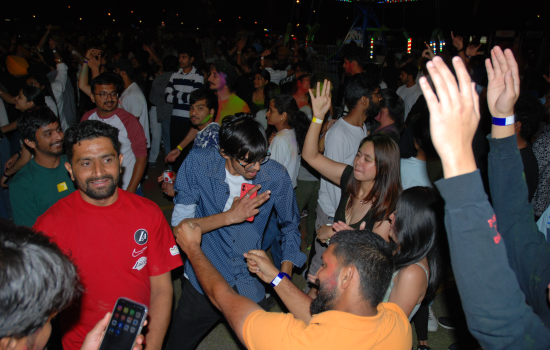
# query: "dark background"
419, 18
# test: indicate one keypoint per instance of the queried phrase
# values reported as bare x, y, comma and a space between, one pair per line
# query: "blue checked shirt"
201, 185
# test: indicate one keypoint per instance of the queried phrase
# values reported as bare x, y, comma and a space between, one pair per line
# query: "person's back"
133, 101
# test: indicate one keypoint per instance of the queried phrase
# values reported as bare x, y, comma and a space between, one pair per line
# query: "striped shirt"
179, 87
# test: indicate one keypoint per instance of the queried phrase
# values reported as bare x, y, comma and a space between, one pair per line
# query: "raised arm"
328, 168
234, 307
494, 305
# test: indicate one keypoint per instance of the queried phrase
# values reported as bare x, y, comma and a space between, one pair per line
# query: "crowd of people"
403, 172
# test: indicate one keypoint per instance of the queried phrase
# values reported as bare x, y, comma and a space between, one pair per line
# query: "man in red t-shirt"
120, 242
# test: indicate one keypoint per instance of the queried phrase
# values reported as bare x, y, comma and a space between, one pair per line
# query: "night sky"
335, 17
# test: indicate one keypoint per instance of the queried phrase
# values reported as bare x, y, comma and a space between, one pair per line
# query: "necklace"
519, 147
364, 202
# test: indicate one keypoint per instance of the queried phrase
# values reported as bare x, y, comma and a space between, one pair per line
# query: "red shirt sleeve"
135, 132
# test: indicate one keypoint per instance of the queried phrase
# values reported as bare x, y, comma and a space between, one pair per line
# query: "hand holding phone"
244, 192
125, 325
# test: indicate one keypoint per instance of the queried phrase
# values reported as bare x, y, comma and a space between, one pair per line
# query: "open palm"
320, 101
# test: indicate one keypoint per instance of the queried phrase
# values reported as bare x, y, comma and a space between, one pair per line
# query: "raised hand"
454, 115
428, 53
52, 44
241, 43
471, 50
320, 101
93, 62
266, 53
458, 41
146, 48
503, 88
258, 262
92, 53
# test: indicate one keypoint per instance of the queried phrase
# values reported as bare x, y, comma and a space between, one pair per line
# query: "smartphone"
124, 326
244, 190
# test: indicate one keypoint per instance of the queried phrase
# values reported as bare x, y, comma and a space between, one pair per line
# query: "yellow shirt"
389, 329
231, 106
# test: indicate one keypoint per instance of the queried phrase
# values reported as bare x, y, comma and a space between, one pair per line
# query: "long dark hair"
34, 94
387, 182
42, 79
418, 224
296, 119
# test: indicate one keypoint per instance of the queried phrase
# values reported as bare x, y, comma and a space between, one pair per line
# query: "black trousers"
179, 127
194, 317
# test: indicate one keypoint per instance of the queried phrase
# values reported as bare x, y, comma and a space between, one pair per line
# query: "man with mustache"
43, 180
120, 242
105, 91
348, 312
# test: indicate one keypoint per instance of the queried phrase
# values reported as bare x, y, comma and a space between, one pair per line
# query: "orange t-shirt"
389, 329
231, 106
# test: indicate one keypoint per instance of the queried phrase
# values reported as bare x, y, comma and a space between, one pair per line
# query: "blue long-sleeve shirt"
201, 187
498, 267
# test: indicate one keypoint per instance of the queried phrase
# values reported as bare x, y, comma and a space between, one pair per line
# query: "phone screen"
125, 325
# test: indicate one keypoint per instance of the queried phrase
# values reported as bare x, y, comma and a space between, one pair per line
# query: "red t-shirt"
115, 249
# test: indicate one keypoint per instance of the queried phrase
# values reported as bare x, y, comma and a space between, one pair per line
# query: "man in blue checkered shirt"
209, 188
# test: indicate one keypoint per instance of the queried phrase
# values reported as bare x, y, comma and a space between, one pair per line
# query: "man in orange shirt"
348, 312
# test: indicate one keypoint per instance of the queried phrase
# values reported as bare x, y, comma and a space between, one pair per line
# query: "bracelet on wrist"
462, 49
180, 148
279, 278
86, 62
316, 120
6, 176
504, 121
54, 50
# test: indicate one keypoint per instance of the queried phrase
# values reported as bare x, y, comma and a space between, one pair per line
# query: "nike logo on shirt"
136, 253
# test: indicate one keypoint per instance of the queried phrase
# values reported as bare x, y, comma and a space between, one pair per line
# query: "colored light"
177, 14
33, 16
409, 44
220, 20
140, 21
81, 19
131, 11
255, 22
113, 19
371, 47
297, 25
69, 7
108, 14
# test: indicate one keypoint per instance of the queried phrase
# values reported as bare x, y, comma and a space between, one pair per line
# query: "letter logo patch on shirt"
62, 187
140, 263
141, 236
174, 250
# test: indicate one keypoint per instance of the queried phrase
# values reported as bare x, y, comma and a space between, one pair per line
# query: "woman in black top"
370, 188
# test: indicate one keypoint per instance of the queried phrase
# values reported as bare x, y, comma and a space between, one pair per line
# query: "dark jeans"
194, 317
179, 127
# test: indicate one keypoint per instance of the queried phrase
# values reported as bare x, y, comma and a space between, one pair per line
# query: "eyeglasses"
103, 95
249, 166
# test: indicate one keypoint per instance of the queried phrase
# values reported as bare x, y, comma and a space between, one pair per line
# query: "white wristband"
318, 121
54, 50
504, 121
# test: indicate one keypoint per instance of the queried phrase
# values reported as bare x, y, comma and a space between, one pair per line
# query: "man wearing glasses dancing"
106, 89
209, 187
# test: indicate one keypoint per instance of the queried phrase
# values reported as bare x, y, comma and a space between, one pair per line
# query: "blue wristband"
504, 121
279, 278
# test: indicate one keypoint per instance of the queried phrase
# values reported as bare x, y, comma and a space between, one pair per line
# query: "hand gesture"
325, 232
428, 53
188, 235
92, 53
93, 62
471, 50
172, 156
320, 102
243, 208
458, 42
258, 262
342, 226
503, 88
241, 43
52, 44
266, 53
146, 48
94, 337
454, 115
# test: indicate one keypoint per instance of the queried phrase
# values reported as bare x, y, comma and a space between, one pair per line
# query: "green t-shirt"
34, 189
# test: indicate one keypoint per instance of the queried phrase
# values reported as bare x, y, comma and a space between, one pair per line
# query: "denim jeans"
155, 135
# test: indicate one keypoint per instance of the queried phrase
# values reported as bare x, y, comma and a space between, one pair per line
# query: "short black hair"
530, 112
108, 78
355, 54
395, 106
359, 85
410, 69
371, 256
422, 136
89, 130
170, 63
33, 119
241, 134
34, 94
205, 94
188, 49
36, 280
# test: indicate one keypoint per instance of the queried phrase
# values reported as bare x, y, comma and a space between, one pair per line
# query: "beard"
50, 153
327, 296
99, 194
373, 110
